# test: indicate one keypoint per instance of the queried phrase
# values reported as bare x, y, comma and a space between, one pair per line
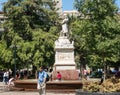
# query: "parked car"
96, 74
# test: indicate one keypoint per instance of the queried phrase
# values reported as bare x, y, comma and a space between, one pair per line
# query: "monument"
64, 55
64, 63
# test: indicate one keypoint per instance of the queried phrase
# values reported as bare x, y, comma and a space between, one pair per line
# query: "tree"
99, 31
29, 24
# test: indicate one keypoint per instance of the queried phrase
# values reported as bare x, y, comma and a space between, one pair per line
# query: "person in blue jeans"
6, 77
41, 85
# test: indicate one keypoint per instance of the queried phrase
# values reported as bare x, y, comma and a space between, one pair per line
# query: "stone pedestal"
64, 59
66, 74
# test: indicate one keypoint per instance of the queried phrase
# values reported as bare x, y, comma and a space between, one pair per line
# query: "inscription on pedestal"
64, 57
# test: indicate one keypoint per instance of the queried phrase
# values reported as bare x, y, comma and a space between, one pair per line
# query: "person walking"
41, 85
6, 77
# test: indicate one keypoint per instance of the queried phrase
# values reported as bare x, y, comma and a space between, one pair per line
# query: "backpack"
47, 78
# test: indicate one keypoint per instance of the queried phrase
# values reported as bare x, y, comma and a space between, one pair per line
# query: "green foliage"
32, 26
97, 35
31, 14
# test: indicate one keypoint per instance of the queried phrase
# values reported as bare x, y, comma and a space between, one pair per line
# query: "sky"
67, 4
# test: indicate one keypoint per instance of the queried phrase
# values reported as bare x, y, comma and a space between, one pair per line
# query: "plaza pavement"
5, 91
31, 93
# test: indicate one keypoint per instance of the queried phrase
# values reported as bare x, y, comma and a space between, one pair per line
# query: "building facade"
2, 20
58, 6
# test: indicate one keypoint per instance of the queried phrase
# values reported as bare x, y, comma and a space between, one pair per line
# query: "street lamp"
14, 47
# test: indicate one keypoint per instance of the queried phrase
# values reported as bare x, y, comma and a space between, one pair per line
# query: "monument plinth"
64, 56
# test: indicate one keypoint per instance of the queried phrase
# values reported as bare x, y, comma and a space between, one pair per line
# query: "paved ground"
5, 91
31, 93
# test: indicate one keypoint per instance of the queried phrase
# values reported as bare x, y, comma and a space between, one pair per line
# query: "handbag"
38, 86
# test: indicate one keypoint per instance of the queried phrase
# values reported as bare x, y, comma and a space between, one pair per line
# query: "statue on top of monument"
64, 31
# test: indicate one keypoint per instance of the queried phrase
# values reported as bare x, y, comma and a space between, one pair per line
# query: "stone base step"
51, 86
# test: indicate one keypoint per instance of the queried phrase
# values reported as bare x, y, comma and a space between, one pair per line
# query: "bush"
109, 85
